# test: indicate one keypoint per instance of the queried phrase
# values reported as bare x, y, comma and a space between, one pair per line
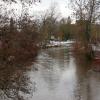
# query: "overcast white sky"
62, 6
39, 8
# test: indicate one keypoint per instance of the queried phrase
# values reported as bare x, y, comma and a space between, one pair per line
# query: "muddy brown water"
56, 74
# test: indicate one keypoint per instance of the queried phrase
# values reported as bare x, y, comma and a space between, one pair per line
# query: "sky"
40, 8
62, 6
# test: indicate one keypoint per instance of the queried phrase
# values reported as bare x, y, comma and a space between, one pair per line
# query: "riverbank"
57, 44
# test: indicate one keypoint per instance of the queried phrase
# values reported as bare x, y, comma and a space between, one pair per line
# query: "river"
56, 74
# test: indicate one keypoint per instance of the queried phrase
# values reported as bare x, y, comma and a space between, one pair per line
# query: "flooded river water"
56, 74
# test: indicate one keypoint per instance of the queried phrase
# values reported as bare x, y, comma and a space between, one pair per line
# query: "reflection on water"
55, 75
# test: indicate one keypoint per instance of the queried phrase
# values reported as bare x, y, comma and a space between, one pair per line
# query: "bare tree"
49, 22
87, 13
18, 36
86, 9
